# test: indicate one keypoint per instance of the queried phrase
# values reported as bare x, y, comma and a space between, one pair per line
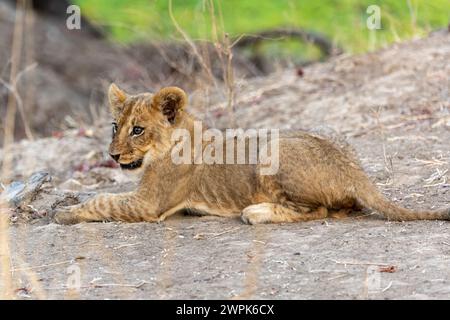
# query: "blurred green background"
343, 21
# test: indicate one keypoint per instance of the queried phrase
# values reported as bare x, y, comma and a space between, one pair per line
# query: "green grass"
344, 21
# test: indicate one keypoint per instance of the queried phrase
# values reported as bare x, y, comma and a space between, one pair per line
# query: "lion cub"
314, 178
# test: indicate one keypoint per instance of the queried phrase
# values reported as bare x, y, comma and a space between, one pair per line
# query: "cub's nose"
115, 156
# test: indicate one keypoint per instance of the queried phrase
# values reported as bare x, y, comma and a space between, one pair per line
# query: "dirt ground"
392, 105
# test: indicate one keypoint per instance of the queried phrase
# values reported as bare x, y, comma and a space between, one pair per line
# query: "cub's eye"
114, 128
137, 131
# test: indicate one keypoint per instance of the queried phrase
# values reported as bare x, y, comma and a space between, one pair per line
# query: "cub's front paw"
65, 216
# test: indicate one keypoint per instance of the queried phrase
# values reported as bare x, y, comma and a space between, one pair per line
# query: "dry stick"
101, 285
229, 79
7, 159
388, 286
12, 88
11, 106
42, 266
104, 285
413, 13
30, 88
388, 164
337, 277
217, 43
223, 48
215, 35
219, 10
214, 31
432, 162
226, 231
436, 176
214, 235
127, 245
192, 45
362, 263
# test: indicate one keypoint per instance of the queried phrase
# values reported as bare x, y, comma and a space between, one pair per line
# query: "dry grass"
22, 25
223, 46
7, 281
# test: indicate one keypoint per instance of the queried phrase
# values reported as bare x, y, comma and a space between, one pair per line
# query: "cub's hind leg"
348, 208
266, 212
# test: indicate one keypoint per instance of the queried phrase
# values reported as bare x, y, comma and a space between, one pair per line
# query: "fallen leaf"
388, 269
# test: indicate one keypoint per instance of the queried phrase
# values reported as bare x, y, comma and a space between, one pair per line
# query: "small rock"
19, 193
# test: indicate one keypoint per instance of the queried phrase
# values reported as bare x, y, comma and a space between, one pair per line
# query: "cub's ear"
116, 98
170, 101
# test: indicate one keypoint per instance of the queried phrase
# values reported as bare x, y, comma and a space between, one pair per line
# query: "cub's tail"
370, 197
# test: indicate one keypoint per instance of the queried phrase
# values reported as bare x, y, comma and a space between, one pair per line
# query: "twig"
387, 288
432, 162
362, 263
214, 235
42, 266
227, 231
257, 241
389, 167
337, 277
126, 245
191, 44
103, 285
436, 176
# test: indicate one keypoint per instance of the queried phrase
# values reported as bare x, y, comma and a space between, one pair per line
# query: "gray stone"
19, 193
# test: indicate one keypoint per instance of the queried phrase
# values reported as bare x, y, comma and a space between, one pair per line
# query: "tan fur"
316, 177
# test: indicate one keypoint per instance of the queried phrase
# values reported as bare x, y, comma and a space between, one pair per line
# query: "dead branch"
317, 39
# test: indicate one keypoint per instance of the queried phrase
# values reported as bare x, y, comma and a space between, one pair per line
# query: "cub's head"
143, 124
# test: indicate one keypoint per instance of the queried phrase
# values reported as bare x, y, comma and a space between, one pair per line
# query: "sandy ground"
199, 258
394, 107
